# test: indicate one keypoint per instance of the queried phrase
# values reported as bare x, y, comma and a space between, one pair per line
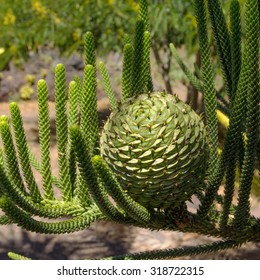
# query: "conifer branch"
35, 163
62, 131
81, 193
127, 71
108, 87
11, 161
196, 81
137, 81
127, 40
190, 75
22, 149
146, 68
73, 119
44, 138
234, 132
79, 91
14, 256
222, 39
91, 191
132, 208
25, 202
88, 109
178, 252
235, 40
144, 16
23, 220
252, 116
208, 84
5, 220
88, 174
89, 50
143, 13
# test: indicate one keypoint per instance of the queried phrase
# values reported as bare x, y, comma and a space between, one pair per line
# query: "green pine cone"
156, 146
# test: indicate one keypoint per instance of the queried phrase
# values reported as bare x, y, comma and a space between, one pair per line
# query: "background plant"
86, 182
30, 25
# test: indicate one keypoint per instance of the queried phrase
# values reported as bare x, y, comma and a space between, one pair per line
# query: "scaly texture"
88, 109
35, 163
17, 196
89, 50
210, 107
208, 84
14, 256
196, 81
156, 145
79, 90
179, 252
146, 68
22, 149
222, 40
44, 138
235, 40
87, 172
5, 220
107, 85
133, 209
143, 13
127, 71
137, 79
73, 119
156, 159
252, 116
190, 75
11, 161
23, 220
232, 140
62, 131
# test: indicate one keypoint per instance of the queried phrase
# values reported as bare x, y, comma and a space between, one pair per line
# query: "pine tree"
86, 180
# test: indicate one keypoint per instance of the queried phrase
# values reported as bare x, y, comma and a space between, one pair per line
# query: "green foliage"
44, 138
29, 25
85, 180
179, 252
14, 256
107, 85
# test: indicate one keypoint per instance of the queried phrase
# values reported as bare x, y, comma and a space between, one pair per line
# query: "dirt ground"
102, 238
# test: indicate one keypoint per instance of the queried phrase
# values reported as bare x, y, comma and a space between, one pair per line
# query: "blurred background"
36, 35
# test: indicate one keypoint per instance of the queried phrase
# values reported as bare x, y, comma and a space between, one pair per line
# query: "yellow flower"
223, 119
110, 2
9, 18
192, 19
76, 35
134, 6
2, 50
39, 8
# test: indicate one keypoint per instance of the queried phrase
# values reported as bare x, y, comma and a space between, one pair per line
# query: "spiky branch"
88, 183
